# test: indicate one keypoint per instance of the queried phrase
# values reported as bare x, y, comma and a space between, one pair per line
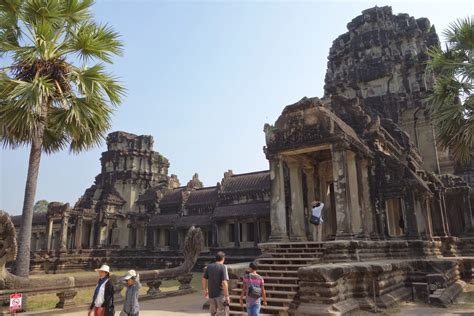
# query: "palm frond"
90, 40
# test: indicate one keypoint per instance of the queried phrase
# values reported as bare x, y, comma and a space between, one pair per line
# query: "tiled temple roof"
111, 196
38, 219
196, 220
248, 210
202, 197
164, 220
246, 182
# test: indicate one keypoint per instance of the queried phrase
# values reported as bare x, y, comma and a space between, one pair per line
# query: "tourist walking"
130, 304
216, 287
254, 291
317, 219
103, 298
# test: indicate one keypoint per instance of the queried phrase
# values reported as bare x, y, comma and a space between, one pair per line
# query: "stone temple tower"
129, 168
382, 61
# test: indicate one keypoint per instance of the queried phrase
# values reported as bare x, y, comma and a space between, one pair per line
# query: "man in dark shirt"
215, 286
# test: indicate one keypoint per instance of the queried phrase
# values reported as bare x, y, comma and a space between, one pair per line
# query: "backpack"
253, 291
314, 220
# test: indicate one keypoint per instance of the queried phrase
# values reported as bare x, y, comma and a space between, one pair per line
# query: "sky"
203, 78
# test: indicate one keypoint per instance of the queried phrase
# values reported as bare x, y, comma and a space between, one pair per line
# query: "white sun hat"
104, 268
130, 274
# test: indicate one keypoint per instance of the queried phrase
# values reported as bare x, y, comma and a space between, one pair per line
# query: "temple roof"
38, 219
202, 197
248, 210
164, 220
246, 182
196, 220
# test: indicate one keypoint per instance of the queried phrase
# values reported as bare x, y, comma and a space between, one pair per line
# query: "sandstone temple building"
366, 148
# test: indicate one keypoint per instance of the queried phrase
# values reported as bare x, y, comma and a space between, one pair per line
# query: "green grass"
84, 295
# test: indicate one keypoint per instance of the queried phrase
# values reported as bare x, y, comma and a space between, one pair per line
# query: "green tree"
50, 98
452, 99
40, 207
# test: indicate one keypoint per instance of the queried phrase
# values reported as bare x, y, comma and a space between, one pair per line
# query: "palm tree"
452, 99
49, 98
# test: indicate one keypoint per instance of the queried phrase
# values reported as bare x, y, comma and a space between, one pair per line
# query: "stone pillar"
78, 237
364, 202
50, 234
341, 193
256, 232
468, 219
311, 196
215, 235
411, 227
63, 234
277, 202
93, 234
150, 237
352, 173
237, 234
297, 219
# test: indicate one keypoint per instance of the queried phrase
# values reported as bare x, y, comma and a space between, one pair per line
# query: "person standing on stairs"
216, 287
317, 219
254, 291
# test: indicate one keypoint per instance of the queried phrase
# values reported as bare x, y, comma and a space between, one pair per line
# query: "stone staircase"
279, 266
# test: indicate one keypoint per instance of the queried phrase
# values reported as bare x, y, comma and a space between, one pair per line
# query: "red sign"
15, 302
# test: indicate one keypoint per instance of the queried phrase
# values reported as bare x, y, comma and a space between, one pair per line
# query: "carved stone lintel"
153, 288
66, 298
185, 281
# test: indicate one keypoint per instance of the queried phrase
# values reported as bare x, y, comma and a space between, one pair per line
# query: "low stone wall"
66, 288
340, 288
361, 250
43, 262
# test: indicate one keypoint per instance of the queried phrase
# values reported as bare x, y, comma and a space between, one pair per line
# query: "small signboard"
15, 301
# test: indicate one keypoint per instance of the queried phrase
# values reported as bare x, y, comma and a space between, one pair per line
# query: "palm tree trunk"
24, 238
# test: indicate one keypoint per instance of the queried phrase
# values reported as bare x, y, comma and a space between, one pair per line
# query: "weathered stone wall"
382, 61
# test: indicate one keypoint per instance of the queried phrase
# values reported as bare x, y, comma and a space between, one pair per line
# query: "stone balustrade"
66, 288
340, 288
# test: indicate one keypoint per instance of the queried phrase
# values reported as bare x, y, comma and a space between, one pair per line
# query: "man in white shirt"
317, 219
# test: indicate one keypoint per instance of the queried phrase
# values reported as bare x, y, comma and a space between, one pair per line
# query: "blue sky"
203, 78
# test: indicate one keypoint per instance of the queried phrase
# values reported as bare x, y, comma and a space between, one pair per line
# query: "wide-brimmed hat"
104, 268
314, 203
130, 274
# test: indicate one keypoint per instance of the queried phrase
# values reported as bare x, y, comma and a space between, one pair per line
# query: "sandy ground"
172, 306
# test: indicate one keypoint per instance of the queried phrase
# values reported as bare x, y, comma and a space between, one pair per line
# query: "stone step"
293, 255
268, 308
297, 250
270, 293
280, 272
245, 313
270, 300
272, 266
285, 286
297, 261
301, 244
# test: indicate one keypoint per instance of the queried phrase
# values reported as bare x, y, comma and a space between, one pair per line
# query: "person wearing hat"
317, 219
130, 304
103, 298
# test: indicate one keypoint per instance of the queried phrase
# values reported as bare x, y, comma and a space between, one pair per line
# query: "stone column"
78, 237
411, 227
256, 232
237, 234
63, 234
297, 219
50, 234
311, 196
341, 193
215, 235
277, 203
365, 215
356, 222
468, 219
